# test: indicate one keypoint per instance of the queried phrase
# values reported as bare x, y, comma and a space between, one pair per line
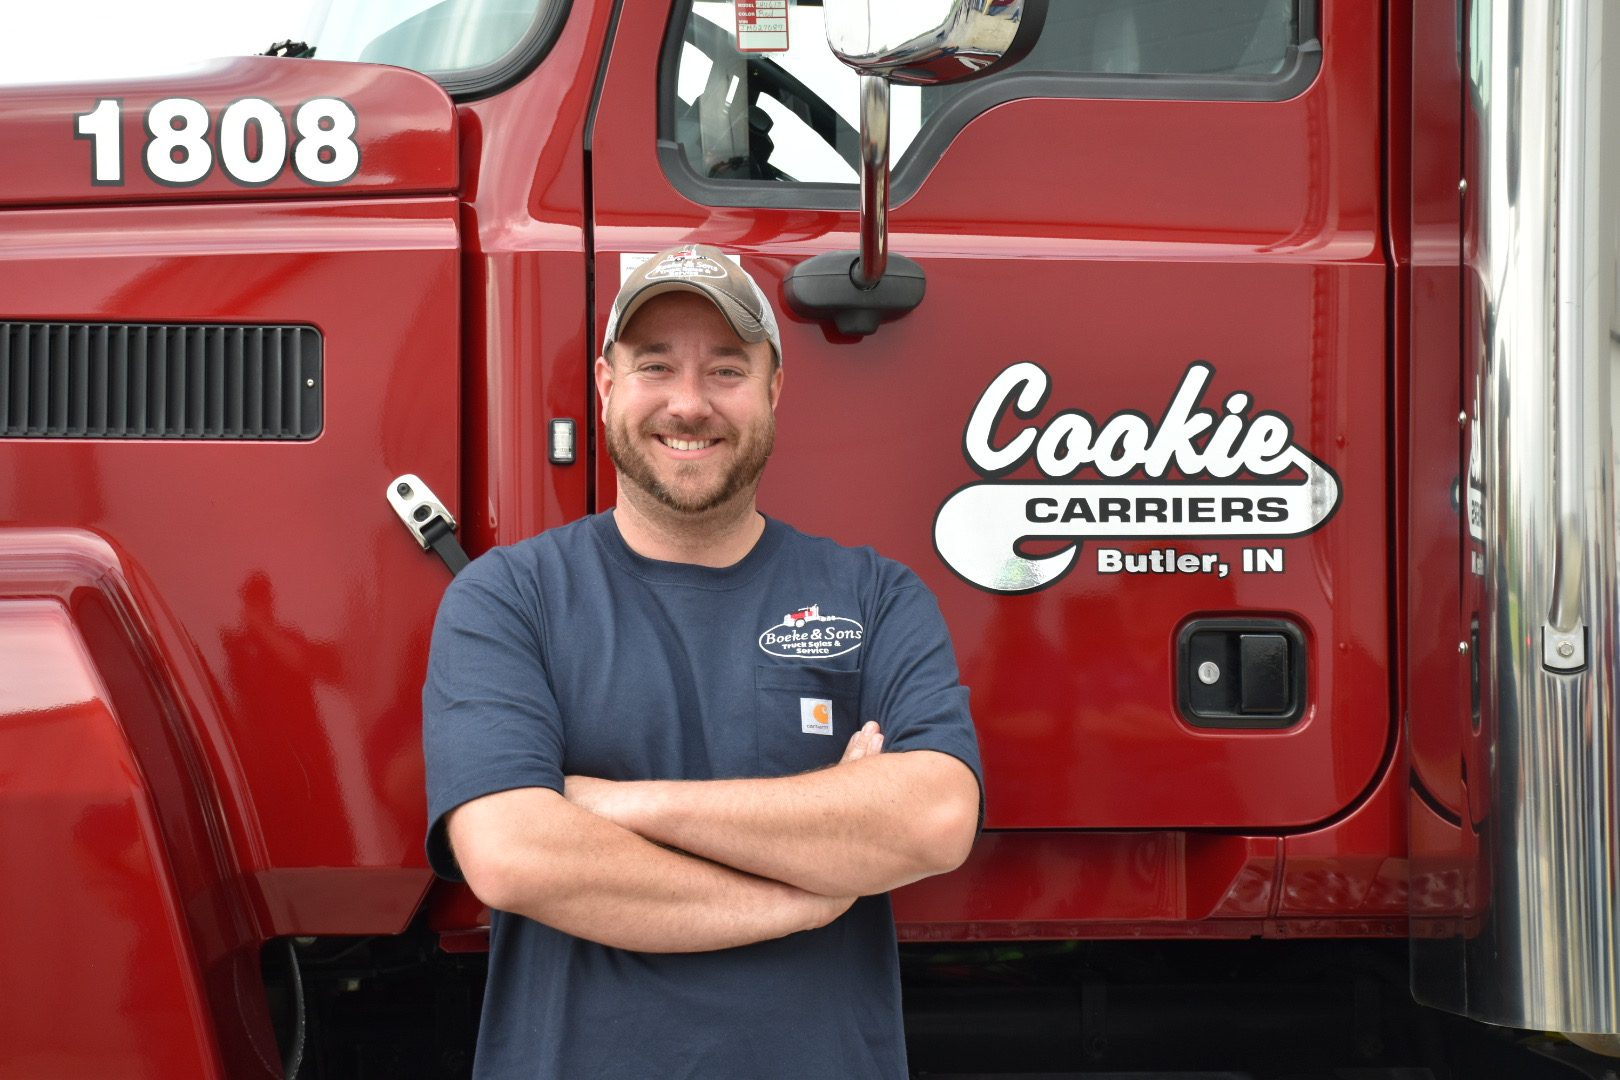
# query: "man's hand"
868, 740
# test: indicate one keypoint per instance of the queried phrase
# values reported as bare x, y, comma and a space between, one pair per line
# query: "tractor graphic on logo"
803, 615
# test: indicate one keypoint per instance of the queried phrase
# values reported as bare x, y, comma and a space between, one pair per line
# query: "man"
683, 751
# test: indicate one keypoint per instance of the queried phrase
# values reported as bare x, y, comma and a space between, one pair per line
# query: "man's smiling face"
688, 406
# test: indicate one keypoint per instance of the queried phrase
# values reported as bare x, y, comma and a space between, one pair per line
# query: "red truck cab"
1173, 435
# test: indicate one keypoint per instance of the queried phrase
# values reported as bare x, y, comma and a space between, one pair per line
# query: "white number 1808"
179, 152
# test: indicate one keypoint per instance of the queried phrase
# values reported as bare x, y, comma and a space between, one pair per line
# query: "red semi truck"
1245, 402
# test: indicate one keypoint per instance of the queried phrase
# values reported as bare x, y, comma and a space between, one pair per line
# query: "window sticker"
1476, 494
762, 26
628, 261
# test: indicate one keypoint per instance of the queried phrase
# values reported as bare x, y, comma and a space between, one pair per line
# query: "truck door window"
737, 127
787, 116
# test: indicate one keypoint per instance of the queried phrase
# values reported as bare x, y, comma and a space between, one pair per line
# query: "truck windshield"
111, 39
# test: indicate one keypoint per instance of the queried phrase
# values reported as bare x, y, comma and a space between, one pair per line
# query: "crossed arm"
756, 859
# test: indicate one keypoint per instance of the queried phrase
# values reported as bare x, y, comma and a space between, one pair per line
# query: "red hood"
405, 132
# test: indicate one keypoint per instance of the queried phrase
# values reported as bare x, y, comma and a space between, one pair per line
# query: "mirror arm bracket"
858, 290
874, 181
825, 288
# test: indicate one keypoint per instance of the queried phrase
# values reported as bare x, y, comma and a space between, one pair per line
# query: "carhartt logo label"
1237, 475
686, 263
806, 634
815, 716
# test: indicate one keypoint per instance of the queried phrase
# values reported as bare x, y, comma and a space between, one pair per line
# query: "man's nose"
688, 398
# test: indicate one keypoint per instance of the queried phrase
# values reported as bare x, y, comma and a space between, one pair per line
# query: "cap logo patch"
686, 263
806, 634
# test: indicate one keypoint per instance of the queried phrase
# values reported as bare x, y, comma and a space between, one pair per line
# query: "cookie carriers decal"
807, 634
1236, 475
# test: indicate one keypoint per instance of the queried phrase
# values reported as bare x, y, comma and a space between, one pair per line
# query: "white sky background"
74, 40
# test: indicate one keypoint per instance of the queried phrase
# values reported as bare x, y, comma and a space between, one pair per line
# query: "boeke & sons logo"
806, 634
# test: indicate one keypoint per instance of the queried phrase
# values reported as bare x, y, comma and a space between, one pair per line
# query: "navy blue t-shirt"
568, 653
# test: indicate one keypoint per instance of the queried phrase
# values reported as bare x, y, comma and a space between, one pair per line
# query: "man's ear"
604, 382
776, 386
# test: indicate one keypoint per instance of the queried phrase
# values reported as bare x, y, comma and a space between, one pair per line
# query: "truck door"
1135, 435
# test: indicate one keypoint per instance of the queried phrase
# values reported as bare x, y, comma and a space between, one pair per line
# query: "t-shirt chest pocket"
804, 716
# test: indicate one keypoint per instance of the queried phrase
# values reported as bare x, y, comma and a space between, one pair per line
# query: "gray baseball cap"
709, 272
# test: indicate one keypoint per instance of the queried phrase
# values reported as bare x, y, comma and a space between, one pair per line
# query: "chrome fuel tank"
1535, 945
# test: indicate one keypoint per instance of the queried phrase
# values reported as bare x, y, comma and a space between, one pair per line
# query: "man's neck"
719, 537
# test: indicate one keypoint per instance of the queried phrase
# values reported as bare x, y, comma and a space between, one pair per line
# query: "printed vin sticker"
1476, 482
629, 261
1198, 472
762, 25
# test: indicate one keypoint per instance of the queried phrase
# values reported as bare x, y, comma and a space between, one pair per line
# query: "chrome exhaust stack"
1533, 941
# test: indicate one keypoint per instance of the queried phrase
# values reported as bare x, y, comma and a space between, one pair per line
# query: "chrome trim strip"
1569, 361
1526, 935
874, 181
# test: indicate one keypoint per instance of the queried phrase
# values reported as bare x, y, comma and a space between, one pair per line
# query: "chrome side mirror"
929, 42
915, 43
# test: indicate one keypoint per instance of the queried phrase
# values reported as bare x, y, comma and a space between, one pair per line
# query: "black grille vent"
149, 381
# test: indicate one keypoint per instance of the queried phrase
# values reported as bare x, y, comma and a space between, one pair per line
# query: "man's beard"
634, 467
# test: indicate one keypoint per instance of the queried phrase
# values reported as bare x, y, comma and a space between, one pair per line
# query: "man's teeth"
688, 444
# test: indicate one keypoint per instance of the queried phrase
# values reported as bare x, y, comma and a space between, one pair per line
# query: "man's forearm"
863, 826
588, 877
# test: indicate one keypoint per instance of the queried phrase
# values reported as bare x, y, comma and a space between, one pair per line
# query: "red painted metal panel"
405, 133
297, 641
1449, 883
1452, 770
1439, 672
1355, 867
93, 899
528, 325
1137, 238
339, 899
299, 607
181, 761
1056, 877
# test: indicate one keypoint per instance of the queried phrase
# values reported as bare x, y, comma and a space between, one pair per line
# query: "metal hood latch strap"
427, 518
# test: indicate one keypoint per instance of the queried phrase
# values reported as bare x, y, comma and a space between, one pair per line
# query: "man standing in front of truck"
670, 791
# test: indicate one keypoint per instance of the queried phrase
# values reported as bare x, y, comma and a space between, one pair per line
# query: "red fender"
125, 939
